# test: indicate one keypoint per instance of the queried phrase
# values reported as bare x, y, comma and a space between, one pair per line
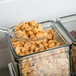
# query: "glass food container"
68, 23
51, 62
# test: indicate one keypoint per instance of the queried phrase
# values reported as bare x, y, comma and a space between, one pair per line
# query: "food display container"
68, 23
52, 62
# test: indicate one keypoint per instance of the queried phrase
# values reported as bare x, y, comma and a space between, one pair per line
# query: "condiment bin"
52, 62
68, 23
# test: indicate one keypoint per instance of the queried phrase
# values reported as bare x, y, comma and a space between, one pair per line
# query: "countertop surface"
14, 11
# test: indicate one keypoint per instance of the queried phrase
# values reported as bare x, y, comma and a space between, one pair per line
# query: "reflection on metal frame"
11, 70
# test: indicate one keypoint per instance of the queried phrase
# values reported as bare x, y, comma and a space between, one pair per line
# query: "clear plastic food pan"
68, 24
52, 62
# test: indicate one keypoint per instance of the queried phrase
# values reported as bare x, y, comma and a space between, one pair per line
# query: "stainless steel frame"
11, 70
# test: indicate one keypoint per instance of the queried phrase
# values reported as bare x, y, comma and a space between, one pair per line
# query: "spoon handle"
2, 29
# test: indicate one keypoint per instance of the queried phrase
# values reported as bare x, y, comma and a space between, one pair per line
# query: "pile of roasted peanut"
34, 31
